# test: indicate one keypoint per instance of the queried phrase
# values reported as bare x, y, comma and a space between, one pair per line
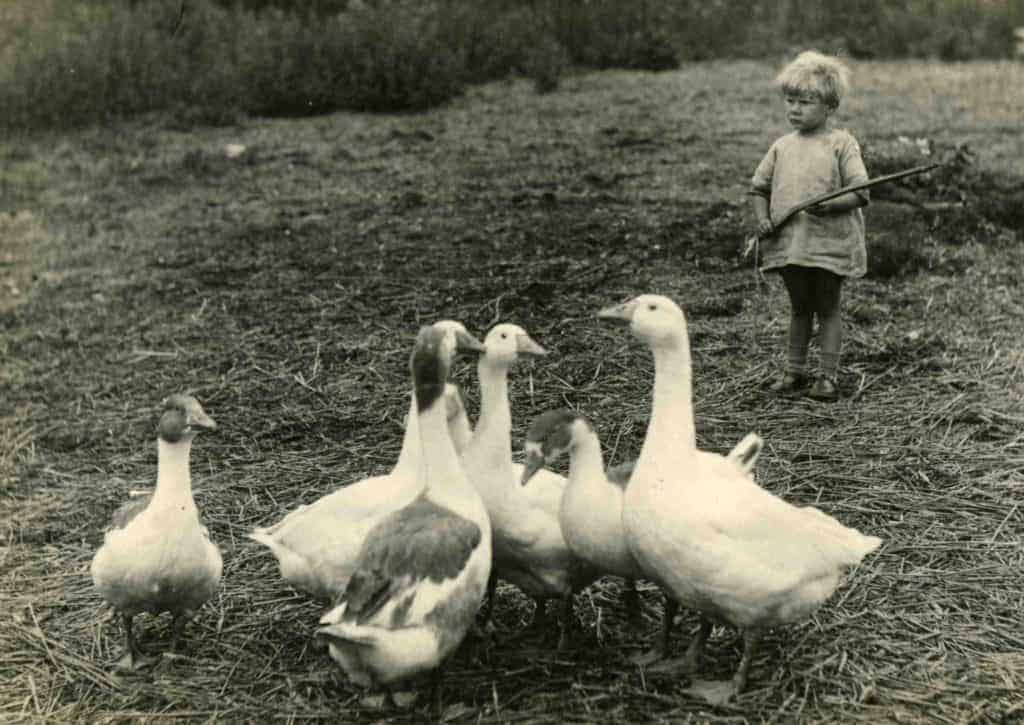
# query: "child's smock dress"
799, 167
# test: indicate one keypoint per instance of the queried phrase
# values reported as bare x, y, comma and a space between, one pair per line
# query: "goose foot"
660, 650
135, 662
133, 659
713, 692
689, 662
684, 665
456, 711
374, 702
648, 658
720, 692
404, 700
389, 700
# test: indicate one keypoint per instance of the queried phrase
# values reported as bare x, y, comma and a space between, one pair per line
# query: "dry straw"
918, 453
297, 344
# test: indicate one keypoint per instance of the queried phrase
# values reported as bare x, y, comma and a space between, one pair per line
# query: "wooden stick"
804, 205
793, 211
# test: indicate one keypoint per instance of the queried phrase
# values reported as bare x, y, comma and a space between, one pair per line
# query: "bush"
495, 38
545, 63
94, 61
74, 62
613, 34
395, 57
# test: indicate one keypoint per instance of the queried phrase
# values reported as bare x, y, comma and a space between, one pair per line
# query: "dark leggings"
814, 291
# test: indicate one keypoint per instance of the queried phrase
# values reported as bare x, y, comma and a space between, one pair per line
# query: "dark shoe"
825, 390
789, 384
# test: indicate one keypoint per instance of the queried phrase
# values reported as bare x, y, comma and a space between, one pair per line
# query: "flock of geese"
408, 560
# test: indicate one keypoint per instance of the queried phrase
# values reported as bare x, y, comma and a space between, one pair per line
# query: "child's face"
806, 111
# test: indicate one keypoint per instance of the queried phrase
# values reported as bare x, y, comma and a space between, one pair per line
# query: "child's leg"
800, 286
827, 288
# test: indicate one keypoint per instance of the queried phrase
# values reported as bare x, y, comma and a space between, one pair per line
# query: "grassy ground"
283, 287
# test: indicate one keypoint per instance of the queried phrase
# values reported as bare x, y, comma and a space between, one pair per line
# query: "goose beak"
533, 463
197, 418
622, 314
526, 344
466, 343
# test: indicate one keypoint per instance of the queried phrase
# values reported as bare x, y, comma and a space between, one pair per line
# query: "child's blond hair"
813, 72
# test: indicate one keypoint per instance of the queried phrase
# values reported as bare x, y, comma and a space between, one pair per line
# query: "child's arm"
764, 221
761, 192
851, 167
839, 205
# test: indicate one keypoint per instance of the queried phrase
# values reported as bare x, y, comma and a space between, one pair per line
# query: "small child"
817, 248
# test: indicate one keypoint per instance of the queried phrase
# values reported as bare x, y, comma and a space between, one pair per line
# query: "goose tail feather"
746, 452
334, 629
849, 544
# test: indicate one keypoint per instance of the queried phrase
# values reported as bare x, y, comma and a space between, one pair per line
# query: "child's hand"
765, 228
825, 208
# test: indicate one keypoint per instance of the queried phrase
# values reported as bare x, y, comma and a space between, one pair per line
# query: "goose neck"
586, 462
410, 441
446, 483
672, 425
495, 420
173, 478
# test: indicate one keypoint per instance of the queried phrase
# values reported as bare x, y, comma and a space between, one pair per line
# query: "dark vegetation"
66, 63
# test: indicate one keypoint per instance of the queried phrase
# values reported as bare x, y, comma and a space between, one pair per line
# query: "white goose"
157, 556
529, 549
316, 544
705, 531
591, 507
422, 570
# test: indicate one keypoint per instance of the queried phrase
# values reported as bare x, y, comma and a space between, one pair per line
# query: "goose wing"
422, 542
130, 510
127, 511
758, 536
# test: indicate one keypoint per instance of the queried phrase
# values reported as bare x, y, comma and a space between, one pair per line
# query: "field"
283, 286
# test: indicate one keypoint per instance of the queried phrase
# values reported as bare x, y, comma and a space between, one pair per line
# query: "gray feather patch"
419, 541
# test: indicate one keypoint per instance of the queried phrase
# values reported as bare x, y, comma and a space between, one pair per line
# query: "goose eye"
652, 307
504, 336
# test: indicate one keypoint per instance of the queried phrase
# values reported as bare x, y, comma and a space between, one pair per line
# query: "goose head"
181, 418
654, 319
464, 341
506, 342
551, 435
432, 357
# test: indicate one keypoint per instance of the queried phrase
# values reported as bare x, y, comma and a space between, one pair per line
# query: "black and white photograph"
512, 361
